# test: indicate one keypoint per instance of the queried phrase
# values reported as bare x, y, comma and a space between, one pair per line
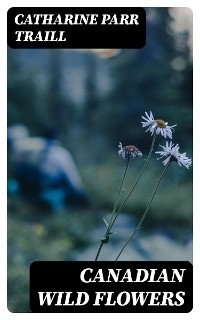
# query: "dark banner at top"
76, 28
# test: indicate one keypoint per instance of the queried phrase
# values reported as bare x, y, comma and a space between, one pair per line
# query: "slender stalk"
146, 211
106, 236
144, 167
119, 191
99, 250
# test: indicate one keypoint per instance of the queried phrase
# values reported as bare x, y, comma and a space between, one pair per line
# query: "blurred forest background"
96, 99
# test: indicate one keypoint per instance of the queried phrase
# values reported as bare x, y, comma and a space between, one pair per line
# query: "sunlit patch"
39, 229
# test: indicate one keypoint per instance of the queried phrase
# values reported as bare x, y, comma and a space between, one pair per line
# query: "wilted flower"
172, 153
129, 152
158, 126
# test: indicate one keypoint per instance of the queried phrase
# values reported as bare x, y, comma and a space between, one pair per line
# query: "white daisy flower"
158, 126
129, 152
172, 153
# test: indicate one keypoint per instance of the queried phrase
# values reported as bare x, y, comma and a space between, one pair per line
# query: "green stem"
144, 167
146, 211
114, 209
119, 191
99, 250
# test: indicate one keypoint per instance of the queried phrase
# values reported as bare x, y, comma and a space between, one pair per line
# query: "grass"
171, 206
37, 235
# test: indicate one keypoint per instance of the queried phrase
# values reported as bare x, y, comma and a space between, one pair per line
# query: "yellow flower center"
160, 123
